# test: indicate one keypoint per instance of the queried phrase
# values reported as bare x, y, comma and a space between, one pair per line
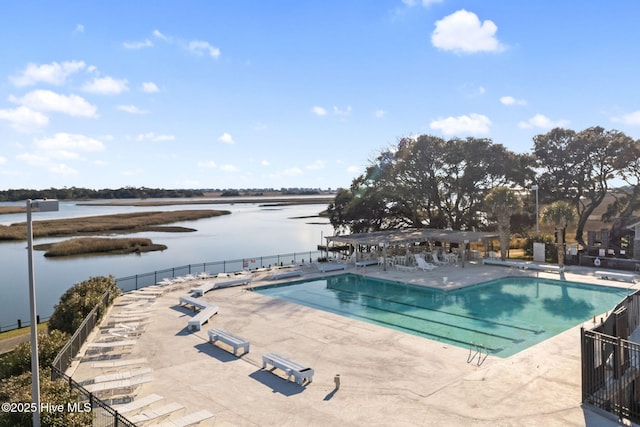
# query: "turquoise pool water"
504, 316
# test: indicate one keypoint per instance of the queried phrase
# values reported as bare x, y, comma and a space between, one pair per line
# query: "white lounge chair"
366, 262
330, 266
424, 265
437, 260
138, 403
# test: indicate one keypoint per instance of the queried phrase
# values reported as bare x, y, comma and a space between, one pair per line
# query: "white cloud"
3, 160
106, 86
151, 136
64, 143
462, 32
207, 164
354, 169
54, 73
132, 109
319, 111
23, 119
65, 147
510, 100
632, 119
228, 168
137, 44
543, 122
472, 89
150, 87
226, 138
425, 3
200, 48
265, 163
79, 28
46, 100
159, 35
467, 124
318, 164
379, 114
339, 112
292, 171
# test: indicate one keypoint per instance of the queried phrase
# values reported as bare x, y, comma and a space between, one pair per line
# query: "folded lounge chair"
424, 265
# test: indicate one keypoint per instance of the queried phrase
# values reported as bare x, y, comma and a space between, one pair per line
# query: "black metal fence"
138, 281
103, 414
147, 279
611, 363
20, 324
63, 360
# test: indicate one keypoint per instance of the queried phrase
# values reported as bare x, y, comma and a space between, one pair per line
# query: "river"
250, 231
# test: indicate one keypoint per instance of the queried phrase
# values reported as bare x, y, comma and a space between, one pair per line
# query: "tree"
559, 214
426, 181
577, 167
627, 200
503, 202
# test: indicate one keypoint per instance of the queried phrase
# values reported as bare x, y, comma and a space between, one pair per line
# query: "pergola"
405, 236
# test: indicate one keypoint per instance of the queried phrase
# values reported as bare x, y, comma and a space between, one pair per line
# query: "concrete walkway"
388, 378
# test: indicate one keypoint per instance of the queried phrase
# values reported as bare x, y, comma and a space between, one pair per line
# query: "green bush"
17, 389
76, 303
18, 361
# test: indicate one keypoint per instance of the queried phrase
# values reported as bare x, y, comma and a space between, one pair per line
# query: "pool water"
502, 316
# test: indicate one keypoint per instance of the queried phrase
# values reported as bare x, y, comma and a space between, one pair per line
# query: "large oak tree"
579, 166
427, 181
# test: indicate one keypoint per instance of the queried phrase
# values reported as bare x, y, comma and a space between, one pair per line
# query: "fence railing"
138, 281
63, 360
103, 414
20, 324
611, 363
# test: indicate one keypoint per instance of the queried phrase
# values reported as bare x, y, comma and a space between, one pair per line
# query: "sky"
283, 93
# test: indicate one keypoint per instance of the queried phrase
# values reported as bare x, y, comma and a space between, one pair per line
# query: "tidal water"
249, 231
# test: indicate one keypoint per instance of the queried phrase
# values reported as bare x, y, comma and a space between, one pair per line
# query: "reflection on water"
250, 231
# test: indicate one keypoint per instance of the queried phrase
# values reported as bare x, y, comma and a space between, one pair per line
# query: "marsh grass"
12, 209
99, 245
118, 223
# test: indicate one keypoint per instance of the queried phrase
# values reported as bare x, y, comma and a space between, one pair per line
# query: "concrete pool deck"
387, 377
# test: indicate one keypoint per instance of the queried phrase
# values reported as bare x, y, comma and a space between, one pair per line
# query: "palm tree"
502, 203
559, 214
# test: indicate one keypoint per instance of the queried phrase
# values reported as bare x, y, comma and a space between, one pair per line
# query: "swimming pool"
504, 316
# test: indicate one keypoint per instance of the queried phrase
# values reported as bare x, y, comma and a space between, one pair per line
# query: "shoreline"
115, 224
266, 201
262, 201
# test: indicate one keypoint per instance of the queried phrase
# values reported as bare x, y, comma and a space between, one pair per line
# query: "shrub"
18, 389
18, 361
76, 303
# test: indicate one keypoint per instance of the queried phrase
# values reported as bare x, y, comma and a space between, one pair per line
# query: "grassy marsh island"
12, 209
117, 223
99, 245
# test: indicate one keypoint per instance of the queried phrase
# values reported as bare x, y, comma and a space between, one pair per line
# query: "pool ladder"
478, 353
